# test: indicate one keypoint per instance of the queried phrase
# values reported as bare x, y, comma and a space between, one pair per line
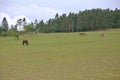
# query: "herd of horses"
25, 42
85, 34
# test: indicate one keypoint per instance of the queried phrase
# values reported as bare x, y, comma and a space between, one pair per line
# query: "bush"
4, 34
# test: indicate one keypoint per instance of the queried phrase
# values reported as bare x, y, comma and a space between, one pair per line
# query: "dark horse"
25, 42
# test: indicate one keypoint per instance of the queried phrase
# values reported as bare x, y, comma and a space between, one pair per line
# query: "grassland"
61, 56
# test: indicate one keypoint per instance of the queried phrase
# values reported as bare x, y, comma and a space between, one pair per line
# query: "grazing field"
61, 56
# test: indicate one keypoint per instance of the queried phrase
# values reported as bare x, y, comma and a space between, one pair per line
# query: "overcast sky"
45, 9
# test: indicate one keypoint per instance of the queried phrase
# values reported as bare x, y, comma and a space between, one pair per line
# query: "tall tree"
4, 25
24, 21
36, 25
41, 26
19, 24
29, 27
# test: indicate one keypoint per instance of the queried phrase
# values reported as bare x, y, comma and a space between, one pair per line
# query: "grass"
61, 56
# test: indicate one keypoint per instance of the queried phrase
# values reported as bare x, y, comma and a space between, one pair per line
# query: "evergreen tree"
4, 26
29, 27
41, 26
36, 25
19, 24
24, 22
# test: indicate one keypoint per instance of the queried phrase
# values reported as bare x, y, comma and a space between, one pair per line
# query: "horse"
25, 42
83, 34
102, 34
17, 36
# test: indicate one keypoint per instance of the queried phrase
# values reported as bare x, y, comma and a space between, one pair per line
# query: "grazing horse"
25, 42
17, 36
102, 34
83, 34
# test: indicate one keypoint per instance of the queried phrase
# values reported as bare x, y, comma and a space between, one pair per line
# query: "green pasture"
61, 56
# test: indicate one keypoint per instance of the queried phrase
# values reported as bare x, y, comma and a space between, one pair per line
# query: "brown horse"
102, 34
83, 34
25, 42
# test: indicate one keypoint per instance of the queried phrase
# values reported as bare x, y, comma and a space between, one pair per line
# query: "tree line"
87, 20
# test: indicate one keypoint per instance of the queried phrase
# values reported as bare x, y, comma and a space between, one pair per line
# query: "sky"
46, 9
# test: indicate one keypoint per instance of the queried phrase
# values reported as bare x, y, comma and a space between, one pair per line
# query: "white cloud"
33, 11
41, 12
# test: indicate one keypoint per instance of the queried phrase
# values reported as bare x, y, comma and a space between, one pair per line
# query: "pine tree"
4, 26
